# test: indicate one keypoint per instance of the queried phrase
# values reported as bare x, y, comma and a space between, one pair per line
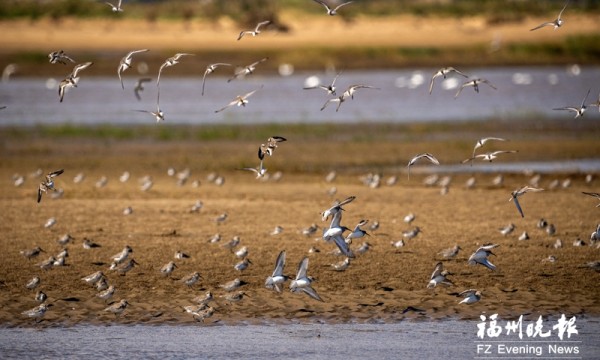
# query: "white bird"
240, 100
209, 70
302, 282
335, 232
93, 278
444, 72
159, 115
578, 111
256, 30
191, 279
33, 283
450, 252
490, 156
439, 276
337, 207
475, 84
123, 255
480, 256
115, 8
331, 11
47, 185
470, 296
72, 79
329, 88
426, 156
555, 23
247, 70
515, 194
276, 280
482, 142
357, 232
173, 60
125, 63
260, 171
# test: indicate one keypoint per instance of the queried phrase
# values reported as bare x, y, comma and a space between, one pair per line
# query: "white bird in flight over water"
427, 156
519, 192
444, 72
170, 62
240, 100
578, 111
125, 63
72, 79
256, 30
329, 88
475, 84
331, 11
555, 23
209, 70
48, 184
247, 70
115, 8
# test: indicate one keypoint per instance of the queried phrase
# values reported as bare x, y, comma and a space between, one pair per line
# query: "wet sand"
384, 284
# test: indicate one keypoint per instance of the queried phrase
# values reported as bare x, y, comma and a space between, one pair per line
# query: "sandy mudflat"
377, 286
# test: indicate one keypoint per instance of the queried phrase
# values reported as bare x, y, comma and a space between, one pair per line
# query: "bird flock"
302, 283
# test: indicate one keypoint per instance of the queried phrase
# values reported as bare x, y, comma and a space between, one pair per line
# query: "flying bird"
240, 100
59, 57
72, 79
329, 88
270, 146
247, 70
426, 156
578, 111
482, 142
480, 256
209, 70
173, 60
115, 8
489, 156
444, 72
475, 84
125, 63
439, 276
302, 282
47, 185
276, 280
331, 11
519, 192
556, 23
256, 30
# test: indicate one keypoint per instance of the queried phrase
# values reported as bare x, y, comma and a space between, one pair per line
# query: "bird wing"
302, 268
438, 73
56, 173
340, 5
323, 3
585, 98
516, 201
262, 23
549, 23
563, 9
341, 244
311, 292
80, 67
439, 267
279, 264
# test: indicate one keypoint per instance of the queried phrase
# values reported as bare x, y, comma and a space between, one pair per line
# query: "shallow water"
450, 339
402, 97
